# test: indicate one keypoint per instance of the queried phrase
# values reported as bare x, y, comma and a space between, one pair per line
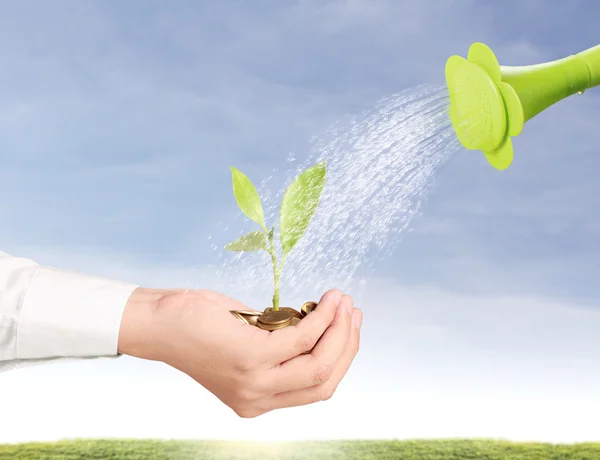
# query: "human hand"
252, 371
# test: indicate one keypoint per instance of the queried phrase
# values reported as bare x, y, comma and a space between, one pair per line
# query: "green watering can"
489, 103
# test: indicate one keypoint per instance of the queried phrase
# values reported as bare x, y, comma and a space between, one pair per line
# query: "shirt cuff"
66, 314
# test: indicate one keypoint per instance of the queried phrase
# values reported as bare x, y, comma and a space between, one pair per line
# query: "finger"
324, 391
289, 342
316, 368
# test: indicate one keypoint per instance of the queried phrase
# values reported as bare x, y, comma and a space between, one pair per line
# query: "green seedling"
298, 206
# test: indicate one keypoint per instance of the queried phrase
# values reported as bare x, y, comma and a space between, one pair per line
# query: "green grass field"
359, 450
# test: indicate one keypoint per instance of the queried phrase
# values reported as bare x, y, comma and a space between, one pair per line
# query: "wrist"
137, 333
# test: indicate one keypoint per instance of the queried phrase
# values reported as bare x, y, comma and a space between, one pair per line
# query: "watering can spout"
489, 103
591, 57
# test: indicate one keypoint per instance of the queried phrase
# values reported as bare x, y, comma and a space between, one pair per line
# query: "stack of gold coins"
271, 320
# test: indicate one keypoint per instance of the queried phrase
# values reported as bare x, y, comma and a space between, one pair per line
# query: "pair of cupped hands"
251, 370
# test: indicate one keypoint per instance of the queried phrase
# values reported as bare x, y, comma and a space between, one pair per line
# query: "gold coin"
271, 327
292, 311
272, 320
308, 307
275, 317
246, 316
239, 317
252, 320
248, 312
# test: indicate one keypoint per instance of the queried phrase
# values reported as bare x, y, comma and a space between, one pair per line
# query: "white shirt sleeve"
48, 314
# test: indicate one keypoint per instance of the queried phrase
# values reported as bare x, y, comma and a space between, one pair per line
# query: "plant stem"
277, 272
276, 269
276, 284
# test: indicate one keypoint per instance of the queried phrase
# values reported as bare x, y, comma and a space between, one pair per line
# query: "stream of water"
381, 168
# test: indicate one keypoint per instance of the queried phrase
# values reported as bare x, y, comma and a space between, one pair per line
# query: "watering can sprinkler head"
489, 103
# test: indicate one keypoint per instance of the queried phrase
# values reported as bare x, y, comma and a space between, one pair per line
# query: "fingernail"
358, 319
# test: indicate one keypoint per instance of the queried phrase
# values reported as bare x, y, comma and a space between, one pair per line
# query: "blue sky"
119, 122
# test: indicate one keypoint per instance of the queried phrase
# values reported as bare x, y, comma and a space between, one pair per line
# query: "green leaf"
272, 232
254, 241
299, 204
247, 197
